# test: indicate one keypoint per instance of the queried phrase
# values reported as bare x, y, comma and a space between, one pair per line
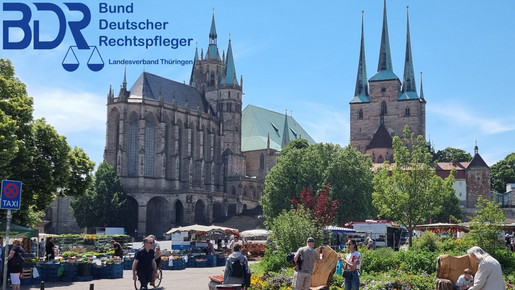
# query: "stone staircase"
248, 220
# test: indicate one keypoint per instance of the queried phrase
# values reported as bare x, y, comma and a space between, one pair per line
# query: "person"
489, 272
465, 281
305, 256
512, 241
15, 270
50, 249
42, 247
144, 263
234, 241
118, 251
237, 268
371, 244
507, 241
157, 250
210, 249
219, 244
352, 263
1, 258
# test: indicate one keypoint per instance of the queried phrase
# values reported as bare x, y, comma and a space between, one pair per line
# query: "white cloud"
70, 112
459, 115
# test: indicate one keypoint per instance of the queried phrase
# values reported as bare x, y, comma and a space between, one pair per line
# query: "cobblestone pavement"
187, 279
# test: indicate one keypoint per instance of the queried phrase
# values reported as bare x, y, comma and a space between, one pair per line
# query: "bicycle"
157, 281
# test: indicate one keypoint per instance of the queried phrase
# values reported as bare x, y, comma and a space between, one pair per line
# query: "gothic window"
149, 149
360, 114
212, 80
384, 111
233, 190
380, 159
261, 162
133, 146
229, 95
407, 112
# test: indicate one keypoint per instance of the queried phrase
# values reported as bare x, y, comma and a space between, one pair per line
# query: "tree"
409, 192
450, 154
322, 209
487, 225
32, 152
300, 166
105, 203
503, 172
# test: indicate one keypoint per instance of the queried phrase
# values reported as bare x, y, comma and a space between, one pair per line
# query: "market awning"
203, 229
255, 233
17, 231
441, 227
340, 230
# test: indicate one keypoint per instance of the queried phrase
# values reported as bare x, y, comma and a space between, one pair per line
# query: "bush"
427, 241
417, 261
272, 262
505, 257
380, 260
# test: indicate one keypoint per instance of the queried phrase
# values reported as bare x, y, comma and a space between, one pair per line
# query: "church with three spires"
383, 105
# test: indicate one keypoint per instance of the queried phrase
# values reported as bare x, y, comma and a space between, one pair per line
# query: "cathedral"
383, 105
178, 147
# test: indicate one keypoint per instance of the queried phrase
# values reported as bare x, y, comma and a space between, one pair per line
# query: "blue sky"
299, 56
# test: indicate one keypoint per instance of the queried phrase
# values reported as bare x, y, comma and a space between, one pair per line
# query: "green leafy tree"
105, 203
503, 172
33, 152
487, 225
409, 192
291, 229
301, 166
450, 154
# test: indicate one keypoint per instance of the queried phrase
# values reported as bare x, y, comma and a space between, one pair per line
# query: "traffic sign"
11, 194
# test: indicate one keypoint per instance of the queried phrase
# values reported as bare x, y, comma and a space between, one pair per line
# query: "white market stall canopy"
203, 229
255, 233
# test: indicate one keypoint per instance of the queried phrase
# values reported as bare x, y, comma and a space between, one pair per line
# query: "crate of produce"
200, 263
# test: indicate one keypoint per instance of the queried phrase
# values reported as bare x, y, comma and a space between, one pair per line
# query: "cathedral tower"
382, 106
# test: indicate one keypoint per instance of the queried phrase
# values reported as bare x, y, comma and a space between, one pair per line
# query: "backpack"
238, 269
17, 260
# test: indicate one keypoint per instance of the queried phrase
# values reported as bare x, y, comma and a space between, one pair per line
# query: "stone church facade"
177, 147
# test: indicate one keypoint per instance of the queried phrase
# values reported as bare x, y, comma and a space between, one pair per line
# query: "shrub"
417, 261
427, 241
380, 260
272, 262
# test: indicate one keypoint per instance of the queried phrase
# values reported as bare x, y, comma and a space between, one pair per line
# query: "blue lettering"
62, 27
77, 26
102, 8
23, 24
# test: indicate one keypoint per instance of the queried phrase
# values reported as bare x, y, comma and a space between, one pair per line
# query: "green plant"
380, 260
273, 261
417, 261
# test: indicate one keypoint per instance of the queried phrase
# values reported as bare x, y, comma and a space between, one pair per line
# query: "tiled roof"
381, 139
258, 123
477, 161
154, 85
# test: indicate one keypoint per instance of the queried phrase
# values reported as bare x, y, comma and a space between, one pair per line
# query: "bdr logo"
70, 61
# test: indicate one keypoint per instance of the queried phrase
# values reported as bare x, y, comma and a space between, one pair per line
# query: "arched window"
407, 112
133, 145
261, 162
149, 149
212, 80
360, 114
384, 110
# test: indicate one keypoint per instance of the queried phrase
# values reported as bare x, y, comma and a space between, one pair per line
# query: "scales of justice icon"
71, 62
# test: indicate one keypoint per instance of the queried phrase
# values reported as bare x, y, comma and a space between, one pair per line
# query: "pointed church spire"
124, 83
286, 131
384, 66
408, 83
193, 70
361, 91
421, 88
212, 51
229, 68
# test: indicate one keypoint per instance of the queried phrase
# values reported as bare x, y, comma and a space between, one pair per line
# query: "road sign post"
10, 199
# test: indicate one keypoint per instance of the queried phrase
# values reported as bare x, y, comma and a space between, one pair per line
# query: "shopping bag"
35, 272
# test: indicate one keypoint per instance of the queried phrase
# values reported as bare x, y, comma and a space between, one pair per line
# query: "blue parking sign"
11, 194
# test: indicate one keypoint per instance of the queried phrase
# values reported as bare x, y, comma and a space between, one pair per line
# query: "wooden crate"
26, 273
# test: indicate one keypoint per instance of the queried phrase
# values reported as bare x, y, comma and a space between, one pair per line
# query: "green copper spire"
361, 92
384, 66
229, 68
286, 131
421, 88
409, 88
193, 71
212, 51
